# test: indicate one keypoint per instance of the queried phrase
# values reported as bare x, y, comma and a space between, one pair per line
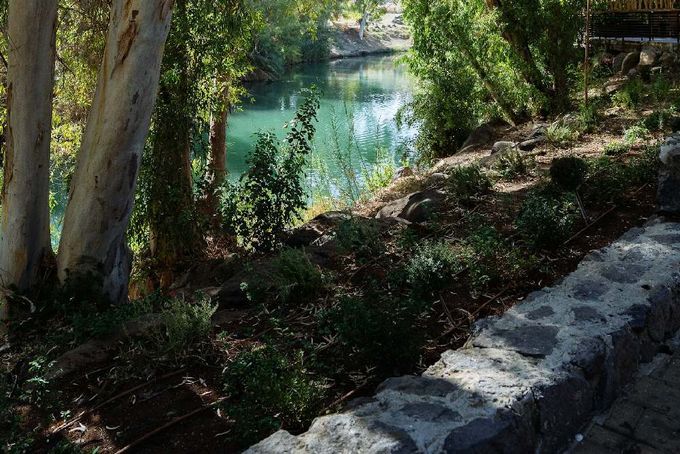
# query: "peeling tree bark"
93, 246
25, 229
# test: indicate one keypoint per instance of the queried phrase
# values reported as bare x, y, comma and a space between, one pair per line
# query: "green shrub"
589, 115
432, 267
361, 237
569, 172
295, 277
606, 181
644, 168
635, 133
184, 323
561, 135
514, 164
616, 148
660, 89
270, 195
268, 390
377, 333
546, 219
490, 259
88, 323
467, 183
630, 94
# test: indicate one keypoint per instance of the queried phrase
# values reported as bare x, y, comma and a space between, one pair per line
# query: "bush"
568, 173
361, 237
381, 334
660, 89
467, 183
635, 133
490, 259
546, 219
657, 120
88, 323
432, 267
514, 164
560, 135
589, 115
630, 95
644, 168
616, 148
295, 277
184, 323
270, 195
606, 181
269, 390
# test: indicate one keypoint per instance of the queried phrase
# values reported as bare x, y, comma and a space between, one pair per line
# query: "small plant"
467, 183
269, 390
432, 267
295, 277
568, 173
616, 148
184, 323
514, 165
546, 218
380, 333
635, 133
644, 168
489, 259
660, 89
92, 324
630, 95
561, 135
589, 115
361, 237
606, 180
381, 173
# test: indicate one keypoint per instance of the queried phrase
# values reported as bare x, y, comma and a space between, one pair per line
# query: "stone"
539, 130
668, 192
629, 62
416, 207
481, 136
403, 173
617, 62
503, 147
668, 59
531, 144
648, 56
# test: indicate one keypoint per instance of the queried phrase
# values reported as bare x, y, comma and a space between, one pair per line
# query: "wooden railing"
648, 25
640, 5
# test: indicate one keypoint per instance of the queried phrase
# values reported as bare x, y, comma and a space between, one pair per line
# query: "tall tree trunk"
363, 24
218, 160
25, 228
93, 249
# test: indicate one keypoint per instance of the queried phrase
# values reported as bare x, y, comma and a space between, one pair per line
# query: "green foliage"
546, 219
360, 237
270, 195
635, 133
561, 135
514, 164
467, 183
88, 322
184, 323
616, 148
569, 172
606, 181
490, 259
432, 268
381, 174
660, 89
644, 168
380, 333
630, 95
658, 120
268, 390
589, 115
294, 277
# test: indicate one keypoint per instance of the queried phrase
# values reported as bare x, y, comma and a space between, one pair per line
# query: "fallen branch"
116, 397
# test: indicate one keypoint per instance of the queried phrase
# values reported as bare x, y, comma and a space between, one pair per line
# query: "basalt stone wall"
528, 380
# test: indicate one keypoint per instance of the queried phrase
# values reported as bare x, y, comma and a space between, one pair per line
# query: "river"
360, 99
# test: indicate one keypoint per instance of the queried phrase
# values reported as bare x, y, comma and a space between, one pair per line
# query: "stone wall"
529, 380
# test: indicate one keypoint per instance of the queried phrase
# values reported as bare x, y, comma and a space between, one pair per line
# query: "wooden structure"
641, 5
636, 20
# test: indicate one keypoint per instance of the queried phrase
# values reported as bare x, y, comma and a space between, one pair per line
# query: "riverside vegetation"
247, 313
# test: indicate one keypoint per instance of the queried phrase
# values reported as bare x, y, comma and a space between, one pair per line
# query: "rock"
481, 136
403, 173
617, 62
648, 56
668, 59
537, 131
630, 62
502, 147
668, 193
633, 73
529, 145
416, 207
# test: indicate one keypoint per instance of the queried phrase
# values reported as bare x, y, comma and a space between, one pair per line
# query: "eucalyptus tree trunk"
25, 227
363, 23
93, 249
218, 161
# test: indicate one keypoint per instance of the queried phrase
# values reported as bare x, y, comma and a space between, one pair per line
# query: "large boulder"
416, 207
503, 146
481, 136
668, 193
617, 62
668, 59
648, 56
630, 62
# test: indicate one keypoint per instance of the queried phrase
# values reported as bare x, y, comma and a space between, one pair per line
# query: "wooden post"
586, 62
